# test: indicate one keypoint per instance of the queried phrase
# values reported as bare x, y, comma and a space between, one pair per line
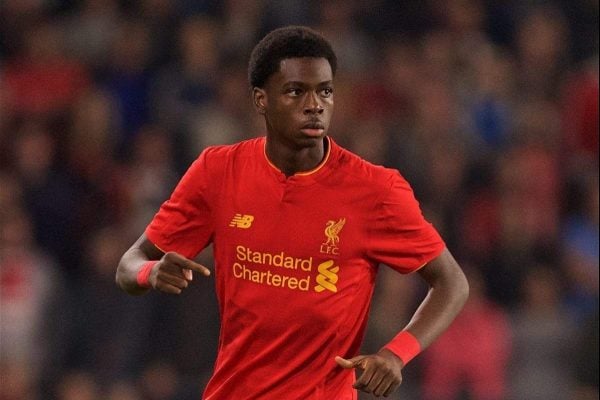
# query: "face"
297, 101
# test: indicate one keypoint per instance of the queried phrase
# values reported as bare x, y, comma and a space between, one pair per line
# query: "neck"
291, 160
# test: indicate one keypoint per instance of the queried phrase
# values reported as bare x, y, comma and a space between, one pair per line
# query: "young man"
299, 226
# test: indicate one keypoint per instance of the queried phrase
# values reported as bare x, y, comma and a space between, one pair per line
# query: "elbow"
119, 275
125, 283
466, 290
462, 289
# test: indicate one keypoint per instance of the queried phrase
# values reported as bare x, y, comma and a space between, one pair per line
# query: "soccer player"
299, 226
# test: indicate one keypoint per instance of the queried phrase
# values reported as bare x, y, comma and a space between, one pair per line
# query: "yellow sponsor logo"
280, 259
283, 270
332, 231
241, 271
241, 221
327, 277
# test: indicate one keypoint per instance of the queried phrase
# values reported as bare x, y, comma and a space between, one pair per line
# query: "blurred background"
489, 109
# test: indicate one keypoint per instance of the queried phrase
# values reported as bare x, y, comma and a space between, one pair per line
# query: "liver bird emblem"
332, 230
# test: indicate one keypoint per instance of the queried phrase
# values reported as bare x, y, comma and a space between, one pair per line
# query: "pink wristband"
144, 273
405, 346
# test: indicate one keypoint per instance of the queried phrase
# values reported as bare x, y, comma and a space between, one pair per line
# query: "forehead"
305, 69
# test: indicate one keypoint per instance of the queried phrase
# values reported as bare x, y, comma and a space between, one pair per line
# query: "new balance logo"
327, 277
241, 221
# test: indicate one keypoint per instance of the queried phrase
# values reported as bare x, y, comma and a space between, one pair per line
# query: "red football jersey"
295, 262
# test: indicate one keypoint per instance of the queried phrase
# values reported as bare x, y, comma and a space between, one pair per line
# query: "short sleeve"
184, 222
399, 235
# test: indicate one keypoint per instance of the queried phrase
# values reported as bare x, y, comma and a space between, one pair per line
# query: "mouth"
313, 129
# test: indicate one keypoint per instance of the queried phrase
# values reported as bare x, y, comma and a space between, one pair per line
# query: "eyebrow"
300, 83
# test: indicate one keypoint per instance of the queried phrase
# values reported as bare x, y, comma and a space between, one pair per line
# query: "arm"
170, 274
447, 294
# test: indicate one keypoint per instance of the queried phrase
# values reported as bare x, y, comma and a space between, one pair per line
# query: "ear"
259, 96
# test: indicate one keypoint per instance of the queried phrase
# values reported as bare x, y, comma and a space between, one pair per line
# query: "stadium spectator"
542, 366
474, 352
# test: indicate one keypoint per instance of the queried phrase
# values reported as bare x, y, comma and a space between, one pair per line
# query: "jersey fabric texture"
295, 262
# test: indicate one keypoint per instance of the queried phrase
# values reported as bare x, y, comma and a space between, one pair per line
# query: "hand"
173, 273
382, 372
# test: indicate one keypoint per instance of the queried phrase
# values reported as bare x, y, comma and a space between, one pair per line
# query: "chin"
312, 141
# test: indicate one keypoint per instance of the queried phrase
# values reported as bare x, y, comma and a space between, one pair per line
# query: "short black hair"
284, 43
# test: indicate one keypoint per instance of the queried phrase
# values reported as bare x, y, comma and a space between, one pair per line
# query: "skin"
297, 104
299, 94
448, 292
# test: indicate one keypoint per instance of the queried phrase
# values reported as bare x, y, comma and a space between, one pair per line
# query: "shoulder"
375, 177
213, 162
242, 149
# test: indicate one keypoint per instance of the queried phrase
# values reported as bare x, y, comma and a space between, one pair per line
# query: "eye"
327, 92
294, 92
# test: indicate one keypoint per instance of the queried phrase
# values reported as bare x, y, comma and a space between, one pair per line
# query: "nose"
312, 105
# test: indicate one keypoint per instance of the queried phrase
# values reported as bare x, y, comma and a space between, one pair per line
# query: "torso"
292, 277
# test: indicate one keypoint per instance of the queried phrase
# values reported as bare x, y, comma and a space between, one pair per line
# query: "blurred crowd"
489, 109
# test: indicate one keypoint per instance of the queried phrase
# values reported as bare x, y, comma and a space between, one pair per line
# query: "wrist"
389, 355
143, 275
405, 345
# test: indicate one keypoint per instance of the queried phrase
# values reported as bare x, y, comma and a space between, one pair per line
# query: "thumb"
351, 363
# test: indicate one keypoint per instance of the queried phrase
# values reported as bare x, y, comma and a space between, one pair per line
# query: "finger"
173, 269
392, 388
349, 363
194, 266
342, 362
167, 288
362, 382
188, 274
375, 381
382, 386
183, 262
172, 279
